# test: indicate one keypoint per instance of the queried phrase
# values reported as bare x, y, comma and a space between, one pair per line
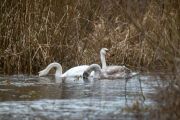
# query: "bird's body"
73, 72
104, 74
114, 69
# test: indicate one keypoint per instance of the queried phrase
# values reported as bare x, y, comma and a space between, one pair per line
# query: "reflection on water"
33, 97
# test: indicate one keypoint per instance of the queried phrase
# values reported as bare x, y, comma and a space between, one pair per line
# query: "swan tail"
133, 74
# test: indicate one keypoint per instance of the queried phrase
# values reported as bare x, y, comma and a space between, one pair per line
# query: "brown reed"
140, 34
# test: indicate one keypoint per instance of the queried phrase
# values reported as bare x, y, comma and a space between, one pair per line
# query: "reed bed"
143, 34
167, 101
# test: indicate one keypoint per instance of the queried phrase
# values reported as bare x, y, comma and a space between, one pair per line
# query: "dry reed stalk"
35, 33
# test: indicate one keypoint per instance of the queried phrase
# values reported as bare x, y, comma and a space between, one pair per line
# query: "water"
30, 97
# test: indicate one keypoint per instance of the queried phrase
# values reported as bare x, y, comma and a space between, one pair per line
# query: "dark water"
30, 97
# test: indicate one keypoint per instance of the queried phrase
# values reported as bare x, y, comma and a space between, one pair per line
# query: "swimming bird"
101, 74
113, 68
73, 72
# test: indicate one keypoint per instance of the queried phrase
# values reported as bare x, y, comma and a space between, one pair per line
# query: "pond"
42, 98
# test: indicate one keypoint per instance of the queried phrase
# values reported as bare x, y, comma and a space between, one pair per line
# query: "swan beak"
108, 55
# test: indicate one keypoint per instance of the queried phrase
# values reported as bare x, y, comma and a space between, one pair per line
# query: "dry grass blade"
140, 34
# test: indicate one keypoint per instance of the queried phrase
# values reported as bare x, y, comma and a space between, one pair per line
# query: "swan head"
42, 73
85, 75
89, 71
49, 67
103, 51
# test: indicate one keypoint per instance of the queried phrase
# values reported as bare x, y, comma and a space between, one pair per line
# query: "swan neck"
96, 68
97, 73
103, 61
57, 66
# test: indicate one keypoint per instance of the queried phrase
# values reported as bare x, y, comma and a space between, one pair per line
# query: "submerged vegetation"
141, 34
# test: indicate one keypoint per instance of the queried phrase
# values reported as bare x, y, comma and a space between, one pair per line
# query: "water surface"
31, 97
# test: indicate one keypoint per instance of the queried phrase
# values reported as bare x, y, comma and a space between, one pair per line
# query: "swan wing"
75, 71
121, 75
116, 69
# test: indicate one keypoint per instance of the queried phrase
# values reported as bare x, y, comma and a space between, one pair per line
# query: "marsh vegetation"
141, 34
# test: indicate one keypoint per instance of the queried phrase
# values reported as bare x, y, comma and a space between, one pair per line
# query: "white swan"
101, 74
73, 72
109, 69
102, 57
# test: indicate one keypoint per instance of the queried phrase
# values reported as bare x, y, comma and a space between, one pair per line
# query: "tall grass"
141, 34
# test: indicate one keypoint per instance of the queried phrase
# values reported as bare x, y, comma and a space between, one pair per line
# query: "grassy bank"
141, 35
